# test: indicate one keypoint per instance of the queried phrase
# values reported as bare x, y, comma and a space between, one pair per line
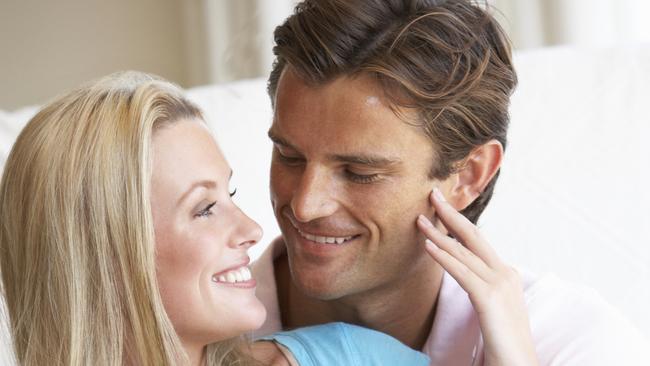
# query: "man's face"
348, 179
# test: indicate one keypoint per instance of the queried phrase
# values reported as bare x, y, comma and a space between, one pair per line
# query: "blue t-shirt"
339, 344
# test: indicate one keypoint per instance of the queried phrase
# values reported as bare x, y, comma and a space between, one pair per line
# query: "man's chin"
318, 285
322, 278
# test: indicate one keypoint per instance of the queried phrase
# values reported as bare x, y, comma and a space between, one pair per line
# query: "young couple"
120, 244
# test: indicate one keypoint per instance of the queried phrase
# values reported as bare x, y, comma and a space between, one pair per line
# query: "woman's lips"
238, 276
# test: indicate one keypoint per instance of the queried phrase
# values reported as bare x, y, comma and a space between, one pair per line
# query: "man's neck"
385, 309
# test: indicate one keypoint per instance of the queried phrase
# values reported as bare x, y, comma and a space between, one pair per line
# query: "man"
375, 103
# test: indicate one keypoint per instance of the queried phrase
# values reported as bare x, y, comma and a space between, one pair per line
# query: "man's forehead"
372, 100
347, 120
359, 93
363, 84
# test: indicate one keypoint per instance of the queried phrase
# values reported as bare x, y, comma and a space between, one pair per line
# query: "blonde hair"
77, 239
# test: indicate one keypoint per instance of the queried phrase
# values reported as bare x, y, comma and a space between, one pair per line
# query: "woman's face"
201, 238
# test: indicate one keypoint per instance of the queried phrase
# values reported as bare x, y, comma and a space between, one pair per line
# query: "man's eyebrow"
279, 140
361, 159
370, 160
206, 183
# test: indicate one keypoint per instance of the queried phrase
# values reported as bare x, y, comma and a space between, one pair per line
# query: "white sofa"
574, 194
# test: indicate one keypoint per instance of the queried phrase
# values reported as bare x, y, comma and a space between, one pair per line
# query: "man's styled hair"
449, 61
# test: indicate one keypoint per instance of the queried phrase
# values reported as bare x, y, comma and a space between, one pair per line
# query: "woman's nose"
247, 233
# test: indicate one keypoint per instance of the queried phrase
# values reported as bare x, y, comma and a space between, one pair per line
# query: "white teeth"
325, 239
241, 274
247, 274
230, 277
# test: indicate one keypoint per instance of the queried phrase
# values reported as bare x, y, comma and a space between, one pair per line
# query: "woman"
80, 214
120, 243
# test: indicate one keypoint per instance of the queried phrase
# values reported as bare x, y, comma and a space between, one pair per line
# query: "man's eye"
361, 178
207, 211
291, 160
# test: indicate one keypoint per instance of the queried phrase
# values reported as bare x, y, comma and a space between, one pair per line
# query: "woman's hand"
494, 288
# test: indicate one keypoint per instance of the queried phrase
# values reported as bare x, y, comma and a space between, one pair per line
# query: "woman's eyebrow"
205, 183
208, 184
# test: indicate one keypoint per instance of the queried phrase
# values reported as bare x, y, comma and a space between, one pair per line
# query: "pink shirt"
570, 324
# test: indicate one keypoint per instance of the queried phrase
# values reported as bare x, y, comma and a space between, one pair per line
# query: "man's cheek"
281, 185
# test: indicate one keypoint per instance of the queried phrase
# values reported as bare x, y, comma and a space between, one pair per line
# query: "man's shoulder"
566, 301
572, 323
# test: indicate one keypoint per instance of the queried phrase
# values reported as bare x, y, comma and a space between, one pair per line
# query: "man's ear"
474, 174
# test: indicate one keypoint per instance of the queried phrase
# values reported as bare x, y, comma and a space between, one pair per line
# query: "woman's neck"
195, 354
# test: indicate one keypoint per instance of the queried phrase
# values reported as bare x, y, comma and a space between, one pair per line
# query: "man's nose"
314, 197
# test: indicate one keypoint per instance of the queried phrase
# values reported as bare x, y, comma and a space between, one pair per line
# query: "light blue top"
337, 344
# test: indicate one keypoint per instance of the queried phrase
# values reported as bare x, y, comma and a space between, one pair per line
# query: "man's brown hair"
449, 61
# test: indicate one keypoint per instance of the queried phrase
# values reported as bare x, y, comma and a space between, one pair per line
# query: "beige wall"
49, 46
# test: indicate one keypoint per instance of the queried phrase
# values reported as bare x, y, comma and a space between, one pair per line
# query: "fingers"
463, 230
467, 279
438, 224
454, 254
493, 287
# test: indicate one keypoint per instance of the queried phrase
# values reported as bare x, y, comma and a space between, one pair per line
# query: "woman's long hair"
77, 253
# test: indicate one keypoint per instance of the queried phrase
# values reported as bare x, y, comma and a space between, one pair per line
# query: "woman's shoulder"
269, 353
346, 344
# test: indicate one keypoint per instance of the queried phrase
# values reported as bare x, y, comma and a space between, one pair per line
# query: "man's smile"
326, 239
321, 233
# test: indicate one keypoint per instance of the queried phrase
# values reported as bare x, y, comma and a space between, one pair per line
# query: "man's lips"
324, 239
321, 236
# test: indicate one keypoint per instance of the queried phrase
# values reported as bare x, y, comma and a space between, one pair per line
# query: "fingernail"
424, 221
430, 244
438, 195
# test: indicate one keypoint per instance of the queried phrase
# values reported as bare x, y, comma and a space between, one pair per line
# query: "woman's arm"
494, 288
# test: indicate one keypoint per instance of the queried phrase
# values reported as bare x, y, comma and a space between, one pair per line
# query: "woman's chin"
251, 318
257, 316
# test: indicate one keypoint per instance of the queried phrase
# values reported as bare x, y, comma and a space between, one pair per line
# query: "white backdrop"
238, 34
535, 23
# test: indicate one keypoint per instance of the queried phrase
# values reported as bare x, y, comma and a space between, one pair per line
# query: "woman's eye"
234, 191
207, 211
361, 178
